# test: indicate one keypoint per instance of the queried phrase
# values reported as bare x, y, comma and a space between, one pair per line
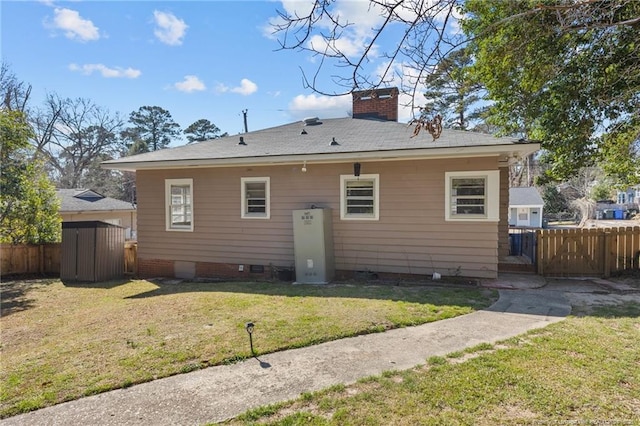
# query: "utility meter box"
313, 246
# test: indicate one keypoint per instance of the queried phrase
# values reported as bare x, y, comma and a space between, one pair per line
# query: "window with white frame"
622, 197
179, 204
360, 197
255, 198
472, 195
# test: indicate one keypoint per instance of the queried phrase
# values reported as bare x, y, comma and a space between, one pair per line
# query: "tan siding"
410, 237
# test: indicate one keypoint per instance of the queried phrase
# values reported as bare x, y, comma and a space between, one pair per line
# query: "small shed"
91, 251
525, 207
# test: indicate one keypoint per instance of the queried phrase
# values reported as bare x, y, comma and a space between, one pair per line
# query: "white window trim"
492, 196
376, 197
243, 197
167, 204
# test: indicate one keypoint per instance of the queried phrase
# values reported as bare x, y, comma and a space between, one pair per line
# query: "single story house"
398, 205
629, 201
525, 207
79, 205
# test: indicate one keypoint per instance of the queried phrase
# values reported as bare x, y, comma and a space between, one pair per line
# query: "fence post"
539, 249
41, 259
607, 253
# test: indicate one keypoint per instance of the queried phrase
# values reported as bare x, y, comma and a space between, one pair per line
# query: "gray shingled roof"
354, 136
75, 200
525, 196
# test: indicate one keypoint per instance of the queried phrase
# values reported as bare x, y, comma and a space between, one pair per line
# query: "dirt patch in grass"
62, 342
590, 303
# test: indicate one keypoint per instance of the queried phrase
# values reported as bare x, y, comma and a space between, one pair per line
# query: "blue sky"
196, 59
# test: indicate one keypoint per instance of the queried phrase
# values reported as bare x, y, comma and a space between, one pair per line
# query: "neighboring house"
400, 205
78, 205
630, 198
525, 207
625, 205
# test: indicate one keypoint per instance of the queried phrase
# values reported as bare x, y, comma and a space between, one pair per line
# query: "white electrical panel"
313, 246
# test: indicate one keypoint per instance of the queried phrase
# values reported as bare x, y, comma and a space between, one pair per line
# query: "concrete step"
521, 268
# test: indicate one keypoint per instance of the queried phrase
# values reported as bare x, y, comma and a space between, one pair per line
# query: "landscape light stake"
249, 327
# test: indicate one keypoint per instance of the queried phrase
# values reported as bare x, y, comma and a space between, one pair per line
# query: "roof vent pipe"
311, 121
242, 142
334, 142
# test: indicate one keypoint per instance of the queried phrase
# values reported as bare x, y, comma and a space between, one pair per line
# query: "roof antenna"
244, 113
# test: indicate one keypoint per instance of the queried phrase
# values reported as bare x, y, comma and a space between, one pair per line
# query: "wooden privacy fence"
587, 252
131, 257
30, 259
45, 259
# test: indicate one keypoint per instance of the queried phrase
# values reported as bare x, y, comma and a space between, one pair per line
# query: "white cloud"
290, 8
346, 45
105, 71
303, 106
452, 14
358, 17
297, 7
170, 29
74, 26
401, 75
191, 83
247, 87
362, 15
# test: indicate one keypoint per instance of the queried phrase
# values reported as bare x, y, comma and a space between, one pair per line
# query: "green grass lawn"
63, 342
584, 370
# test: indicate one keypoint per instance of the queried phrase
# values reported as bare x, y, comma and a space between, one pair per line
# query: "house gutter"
507, 151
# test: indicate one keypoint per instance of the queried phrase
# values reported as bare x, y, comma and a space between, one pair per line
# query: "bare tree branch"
428, 34
71, 134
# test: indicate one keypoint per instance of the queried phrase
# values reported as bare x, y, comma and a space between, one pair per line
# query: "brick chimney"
380, 104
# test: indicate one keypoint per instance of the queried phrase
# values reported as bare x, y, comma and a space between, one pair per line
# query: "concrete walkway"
218, 393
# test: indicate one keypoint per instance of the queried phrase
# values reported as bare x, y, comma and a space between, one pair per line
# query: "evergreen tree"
202, 130
554, 202
153, 127
28, 202
452, 93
